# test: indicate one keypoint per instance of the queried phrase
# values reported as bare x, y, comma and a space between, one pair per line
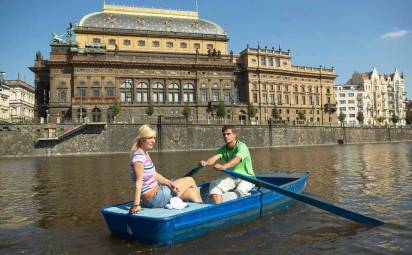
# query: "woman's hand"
173, 187
135, 209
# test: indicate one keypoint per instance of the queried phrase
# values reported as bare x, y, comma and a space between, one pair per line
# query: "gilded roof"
148, 19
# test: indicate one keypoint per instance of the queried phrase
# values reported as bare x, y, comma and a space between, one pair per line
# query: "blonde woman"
151, 188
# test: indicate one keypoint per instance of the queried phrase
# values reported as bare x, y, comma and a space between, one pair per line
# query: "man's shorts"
224, 184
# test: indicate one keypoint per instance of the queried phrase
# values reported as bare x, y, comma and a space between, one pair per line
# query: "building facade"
4, 100
270, 81
126, 60
21, 101
350, 103
384, 96
135, 57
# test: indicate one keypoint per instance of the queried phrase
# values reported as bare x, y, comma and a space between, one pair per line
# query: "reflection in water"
50, 205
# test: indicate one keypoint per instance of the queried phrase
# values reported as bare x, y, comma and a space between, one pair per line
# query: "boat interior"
227, 197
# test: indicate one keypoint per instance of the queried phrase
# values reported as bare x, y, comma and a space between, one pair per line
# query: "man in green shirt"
235, 156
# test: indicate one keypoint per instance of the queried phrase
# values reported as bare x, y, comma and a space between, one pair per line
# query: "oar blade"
310, 200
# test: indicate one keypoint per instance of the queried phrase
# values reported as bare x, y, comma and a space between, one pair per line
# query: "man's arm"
232, 163
210, 161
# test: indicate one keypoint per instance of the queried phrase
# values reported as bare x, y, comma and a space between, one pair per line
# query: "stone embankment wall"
23, 140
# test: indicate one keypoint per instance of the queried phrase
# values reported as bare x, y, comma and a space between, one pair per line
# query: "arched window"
188, 93
158, 92
142, 92
174, 93
96, 114
63, 96
126, 88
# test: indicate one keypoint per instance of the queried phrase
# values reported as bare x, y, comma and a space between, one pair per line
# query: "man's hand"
203, 163
218, 166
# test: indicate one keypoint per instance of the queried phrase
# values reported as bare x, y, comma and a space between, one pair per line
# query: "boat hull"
164, 226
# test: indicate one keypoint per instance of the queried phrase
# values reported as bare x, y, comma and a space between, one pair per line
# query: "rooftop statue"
57, 38
66, 38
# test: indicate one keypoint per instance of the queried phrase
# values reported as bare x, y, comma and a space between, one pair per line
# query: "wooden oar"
310, 200
193, 171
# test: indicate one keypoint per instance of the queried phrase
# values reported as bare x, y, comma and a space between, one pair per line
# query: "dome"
148, 19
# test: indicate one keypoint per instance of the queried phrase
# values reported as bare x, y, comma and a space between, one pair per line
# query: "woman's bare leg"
188, 189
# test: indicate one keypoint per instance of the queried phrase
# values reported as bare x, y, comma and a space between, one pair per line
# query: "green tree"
341, 117
251, 111
301, 115
116, 108
187, 112
275, 113
221, 110
360, 117
150, 110
380, 119
408, 117
394, 119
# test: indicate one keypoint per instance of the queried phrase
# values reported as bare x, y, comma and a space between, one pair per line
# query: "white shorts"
224, 184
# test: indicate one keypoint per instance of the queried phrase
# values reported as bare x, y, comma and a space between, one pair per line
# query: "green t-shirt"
245, 165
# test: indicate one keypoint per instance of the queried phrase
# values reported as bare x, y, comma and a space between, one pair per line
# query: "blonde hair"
144, 132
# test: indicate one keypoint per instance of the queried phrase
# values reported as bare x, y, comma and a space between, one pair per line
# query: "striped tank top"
149, 180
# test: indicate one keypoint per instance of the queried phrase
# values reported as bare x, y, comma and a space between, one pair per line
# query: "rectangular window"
296, 99
227, 96
176, 97
210, 46
183, 45
303, 100
277, 62
141, 43
204, 96
265, 98
97, 40
286, 99
317, 100
110, 92
310, 100
215, 94
263, 60
279, 99
155, 44
270, 61
127, 42
342, 94
169, 44
160, 96
196, 45
255, 98
272, 99
112, 41
155, 97
96, 92
81, 92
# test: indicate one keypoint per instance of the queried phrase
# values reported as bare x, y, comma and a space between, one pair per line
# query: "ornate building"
384, 96
172, 60
138, 57
268, 80
21, 101
4, 100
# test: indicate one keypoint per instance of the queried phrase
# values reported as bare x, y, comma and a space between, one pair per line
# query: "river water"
51, 205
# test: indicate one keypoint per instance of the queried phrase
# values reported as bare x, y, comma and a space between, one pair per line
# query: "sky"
349, 35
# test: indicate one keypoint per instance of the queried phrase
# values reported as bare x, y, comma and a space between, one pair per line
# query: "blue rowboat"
165, 226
